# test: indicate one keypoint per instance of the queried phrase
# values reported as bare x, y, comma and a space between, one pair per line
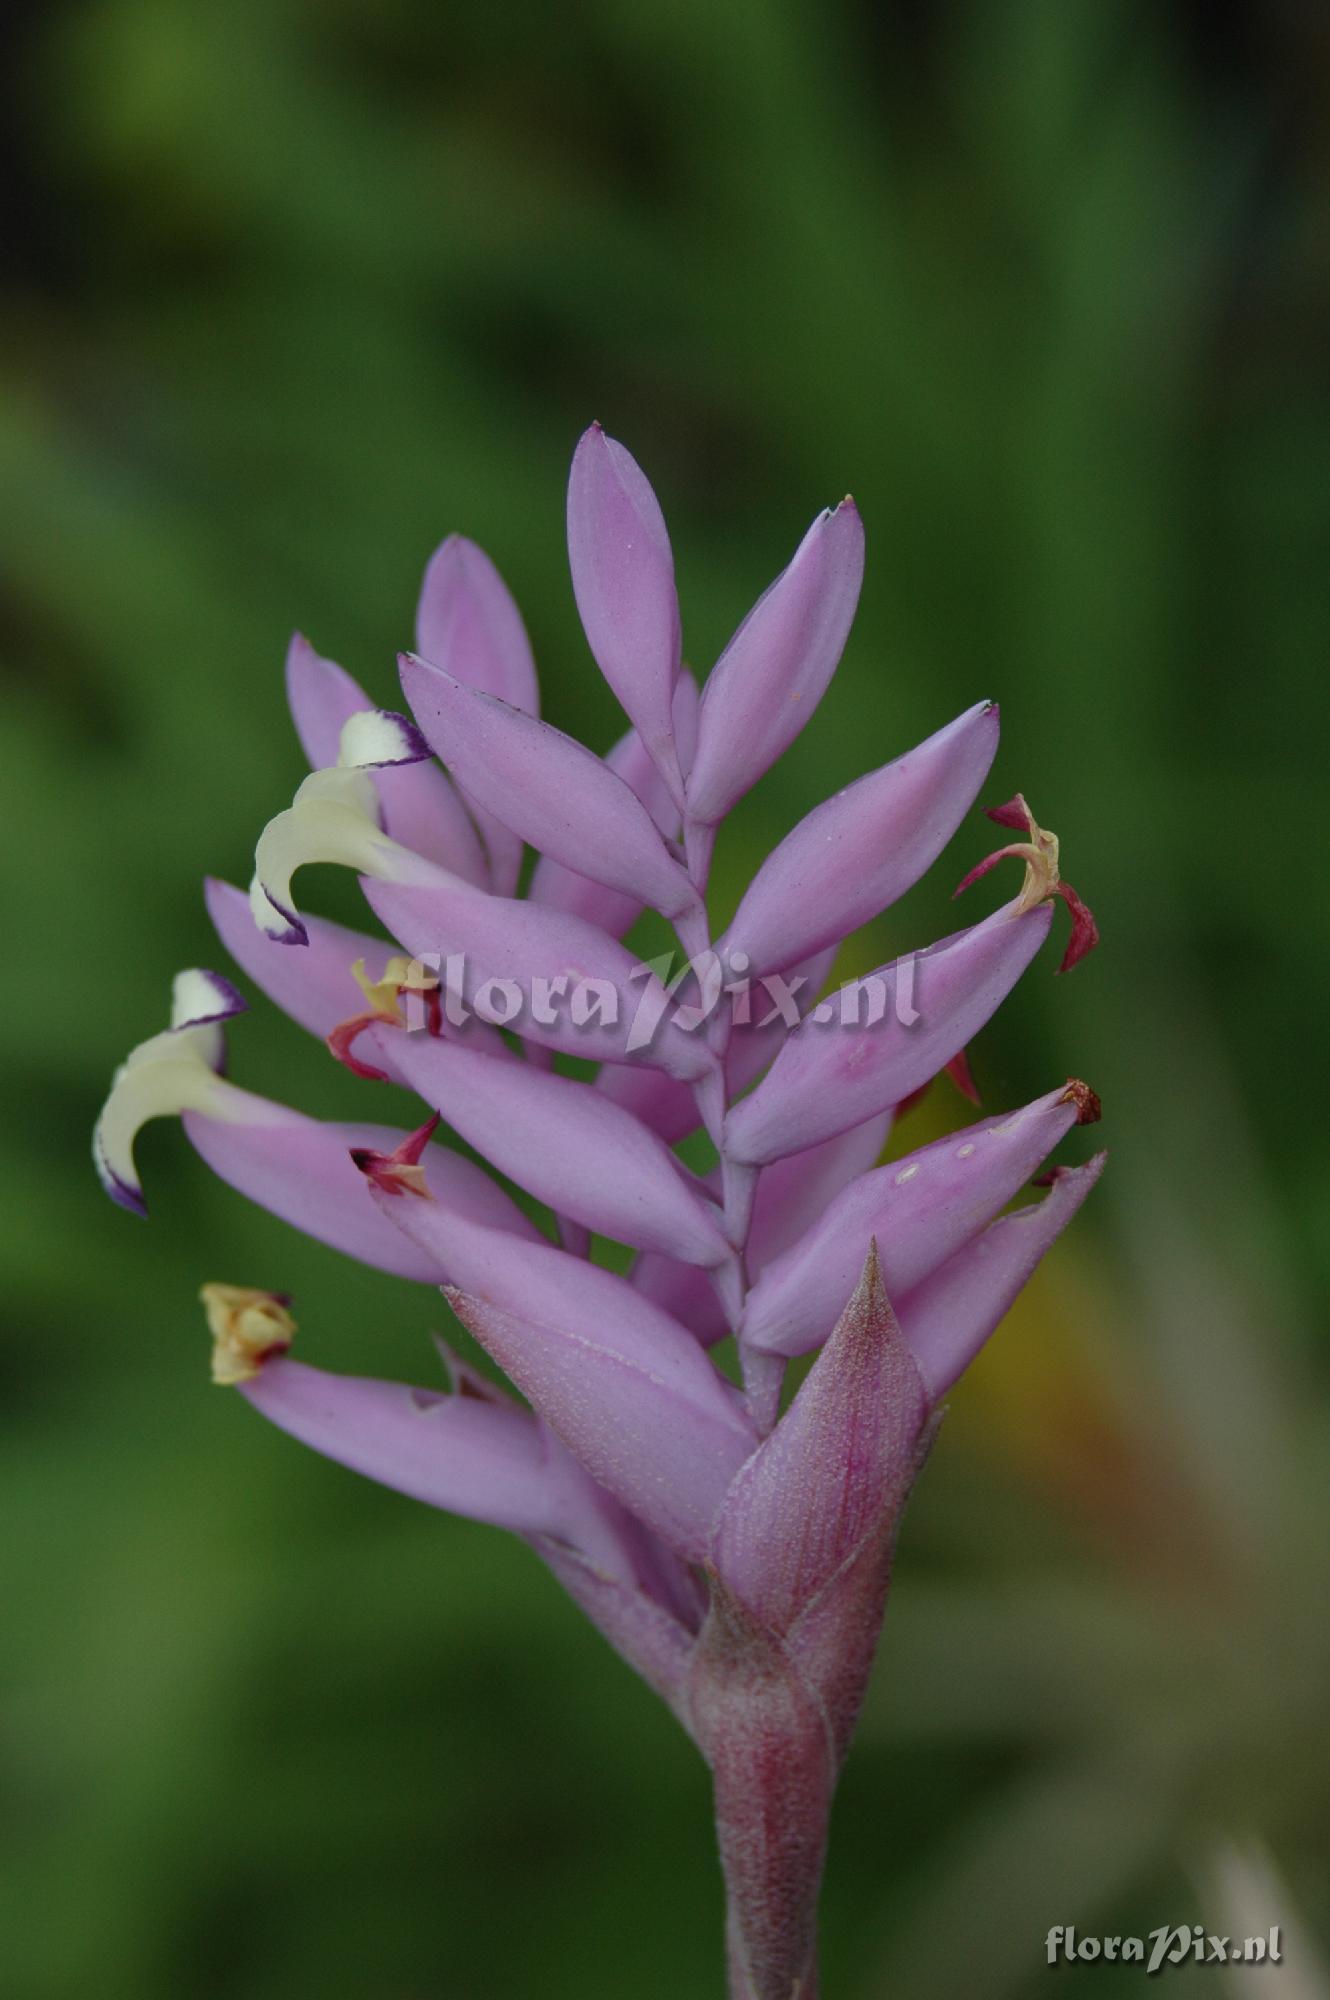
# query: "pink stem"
773, 1764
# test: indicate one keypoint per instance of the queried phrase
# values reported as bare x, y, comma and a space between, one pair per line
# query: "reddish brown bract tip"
1084, 930
341, 1043
1056, 1174
1088, 1108
400, 1171
1043, 876
1014, 813
958, 1069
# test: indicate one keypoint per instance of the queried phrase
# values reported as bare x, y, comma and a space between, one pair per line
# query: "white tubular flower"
178, 1070
334, 817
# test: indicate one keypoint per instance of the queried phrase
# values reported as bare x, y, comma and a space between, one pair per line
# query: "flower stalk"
773, 1773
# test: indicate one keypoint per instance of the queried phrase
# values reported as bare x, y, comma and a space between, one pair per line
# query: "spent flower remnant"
738, 1557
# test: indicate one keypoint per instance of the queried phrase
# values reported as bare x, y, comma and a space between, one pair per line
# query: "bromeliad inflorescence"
736, 1556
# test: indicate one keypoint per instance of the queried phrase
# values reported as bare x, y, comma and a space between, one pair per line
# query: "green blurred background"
291, 291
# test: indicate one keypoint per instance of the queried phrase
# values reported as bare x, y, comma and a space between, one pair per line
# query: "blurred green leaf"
294, 291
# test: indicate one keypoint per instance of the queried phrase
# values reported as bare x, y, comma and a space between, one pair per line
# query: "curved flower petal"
567, 985
547, 788
485, 1460
627, 1388
573, 987
163, 1076
333, 818
301, 1169
953, 1312
321, 695
467, 622
419, 806
775, 670
317, 987
565, 1143
685, 709
794, 1192
298, 1167
561, 888
920, 1210
830, 1075
477, 1453
623, 580
858, 852
534, 1280
666, 1452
